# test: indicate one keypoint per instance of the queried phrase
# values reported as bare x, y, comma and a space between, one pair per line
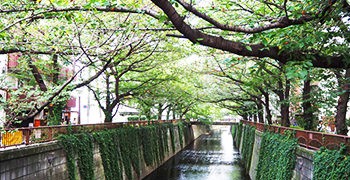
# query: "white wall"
3, 71
90, 113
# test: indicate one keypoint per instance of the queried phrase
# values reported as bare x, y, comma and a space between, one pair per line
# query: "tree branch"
252, 50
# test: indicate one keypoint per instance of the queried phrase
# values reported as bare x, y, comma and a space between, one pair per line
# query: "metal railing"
309, 139
26, 136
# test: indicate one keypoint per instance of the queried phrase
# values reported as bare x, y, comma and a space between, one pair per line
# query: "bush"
133, 118
137, 118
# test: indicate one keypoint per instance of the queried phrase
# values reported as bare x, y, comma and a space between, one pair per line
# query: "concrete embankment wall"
303, 166
48, 160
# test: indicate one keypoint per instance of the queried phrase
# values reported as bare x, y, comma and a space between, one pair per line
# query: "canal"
210, 157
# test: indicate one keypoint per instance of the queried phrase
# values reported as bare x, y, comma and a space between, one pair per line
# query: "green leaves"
299, 70
119, 150
331, 164
249, 48
62, 2
79, 150
277, 157
247, 145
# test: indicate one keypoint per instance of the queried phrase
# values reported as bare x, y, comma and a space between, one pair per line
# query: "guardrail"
26, 136
309, 139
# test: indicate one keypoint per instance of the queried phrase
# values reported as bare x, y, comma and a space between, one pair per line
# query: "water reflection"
209, 157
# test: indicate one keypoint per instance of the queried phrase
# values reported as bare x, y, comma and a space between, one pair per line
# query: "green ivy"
180, 132
277, 157
110, 153
148, 143
69, 145
155, 146
86, 156
233, 131
119, 150
331, 164
128, 142
187, 132
172, 136
238, 135
80, 146
165, 130
163, 141
247, 145
54, 114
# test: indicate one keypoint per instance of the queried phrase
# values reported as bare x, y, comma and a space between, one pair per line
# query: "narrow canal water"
210, 157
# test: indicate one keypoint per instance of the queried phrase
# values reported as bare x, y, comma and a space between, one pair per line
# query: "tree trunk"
285, 115
284, 100
260, 111
307, 116
37, 76
287, 105
148, 114
54, 112
255, 118
160, 111
108, 115
340, 118
107, 112
245, 117
174, 112
267, 106
56, 68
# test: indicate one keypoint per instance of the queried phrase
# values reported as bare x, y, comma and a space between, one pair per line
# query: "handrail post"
50, 134
27, 135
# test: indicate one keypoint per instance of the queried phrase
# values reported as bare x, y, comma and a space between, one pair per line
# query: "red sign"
13, 60
71, 102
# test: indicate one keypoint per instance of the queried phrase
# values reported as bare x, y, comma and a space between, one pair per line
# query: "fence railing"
309, 139
26, 136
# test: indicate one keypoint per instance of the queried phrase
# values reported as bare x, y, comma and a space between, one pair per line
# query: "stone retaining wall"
47, 161
304, 162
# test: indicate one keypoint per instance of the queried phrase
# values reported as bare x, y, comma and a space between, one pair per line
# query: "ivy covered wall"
244, 137
280, 157
331, 164
124, 151
277, 157
247, 145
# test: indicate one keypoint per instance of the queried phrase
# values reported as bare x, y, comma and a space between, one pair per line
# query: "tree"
129, 76
277, 16
50, 40
340, 118
286, 33
268, 20
174, 95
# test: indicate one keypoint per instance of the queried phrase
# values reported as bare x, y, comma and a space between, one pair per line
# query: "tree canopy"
261, 59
